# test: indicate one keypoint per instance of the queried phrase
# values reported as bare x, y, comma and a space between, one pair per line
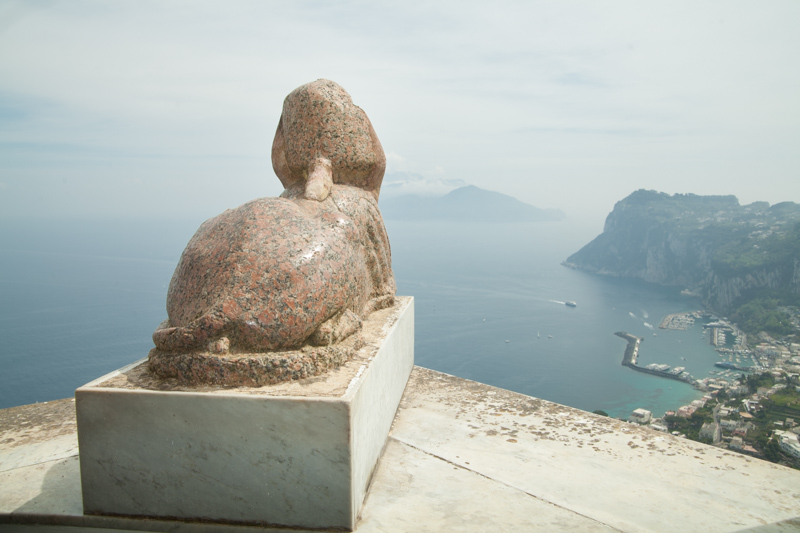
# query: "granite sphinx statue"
277, 288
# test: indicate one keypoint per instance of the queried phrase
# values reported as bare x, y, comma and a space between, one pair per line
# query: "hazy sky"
159, 108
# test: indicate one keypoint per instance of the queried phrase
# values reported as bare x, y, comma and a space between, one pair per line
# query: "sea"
81, 298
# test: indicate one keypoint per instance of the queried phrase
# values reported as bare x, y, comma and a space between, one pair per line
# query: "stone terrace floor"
462, 456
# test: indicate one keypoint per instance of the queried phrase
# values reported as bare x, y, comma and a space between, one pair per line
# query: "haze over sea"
82, 298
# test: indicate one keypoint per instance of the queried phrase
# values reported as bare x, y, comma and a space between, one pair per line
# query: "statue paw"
335, 329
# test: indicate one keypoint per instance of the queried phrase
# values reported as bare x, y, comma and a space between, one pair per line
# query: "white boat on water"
570, 304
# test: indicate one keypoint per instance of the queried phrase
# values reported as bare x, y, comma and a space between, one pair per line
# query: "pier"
632, 354
632, 350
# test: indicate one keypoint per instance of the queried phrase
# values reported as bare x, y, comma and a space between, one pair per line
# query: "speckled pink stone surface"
289, 276
319, 119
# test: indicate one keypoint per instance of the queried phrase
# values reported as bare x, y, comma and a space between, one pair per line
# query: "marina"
728, 341
680, 321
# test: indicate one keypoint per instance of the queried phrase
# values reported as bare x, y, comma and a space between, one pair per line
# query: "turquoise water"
79, 299
490, 307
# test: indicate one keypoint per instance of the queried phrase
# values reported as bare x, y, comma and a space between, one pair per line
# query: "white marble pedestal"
297, 454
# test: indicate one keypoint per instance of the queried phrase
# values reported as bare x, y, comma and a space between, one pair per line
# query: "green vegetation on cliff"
757, 250
690, 426
763, 314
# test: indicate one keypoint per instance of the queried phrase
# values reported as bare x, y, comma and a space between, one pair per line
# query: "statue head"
322, 139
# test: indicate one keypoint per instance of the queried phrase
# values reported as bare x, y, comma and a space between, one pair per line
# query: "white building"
640, 416
711, 431
788, 442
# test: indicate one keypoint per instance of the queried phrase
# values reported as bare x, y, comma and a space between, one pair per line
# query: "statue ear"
376, 176
279, 163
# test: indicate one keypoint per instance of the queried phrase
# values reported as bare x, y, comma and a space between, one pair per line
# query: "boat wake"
559, 302
642, 320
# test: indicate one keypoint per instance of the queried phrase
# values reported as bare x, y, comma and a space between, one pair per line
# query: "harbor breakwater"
632, 354
632, 350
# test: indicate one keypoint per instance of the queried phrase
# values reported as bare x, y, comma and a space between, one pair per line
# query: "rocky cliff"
711, 245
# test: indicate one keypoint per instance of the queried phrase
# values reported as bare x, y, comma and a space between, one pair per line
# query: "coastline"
767, 356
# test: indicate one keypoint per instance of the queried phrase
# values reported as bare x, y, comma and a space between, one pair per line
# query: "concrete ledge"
245, 455
463, 456
584, 472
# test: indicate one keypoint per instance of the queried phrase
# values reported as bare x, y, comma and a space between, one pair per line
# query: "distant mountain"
407, 183
727, 253
465, 203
